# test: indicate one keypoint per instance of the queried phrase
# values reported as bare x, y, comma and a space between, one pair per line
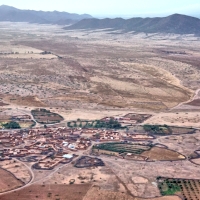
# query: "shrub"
11, 125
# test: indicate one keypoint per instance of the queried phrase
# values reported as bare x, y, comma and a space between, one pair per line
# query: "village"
48, 147
44, 144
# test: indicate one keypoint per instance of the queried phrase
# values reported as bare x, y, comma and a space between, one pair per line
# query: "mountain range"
8, 13
176, 23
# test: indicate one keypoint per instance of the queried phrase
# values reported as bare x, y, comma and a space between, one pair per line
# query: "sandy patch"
139, 180
157, 153
179, 119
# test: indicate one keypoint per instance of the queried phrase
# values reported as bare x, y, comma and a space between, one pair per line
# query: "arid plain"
95, 74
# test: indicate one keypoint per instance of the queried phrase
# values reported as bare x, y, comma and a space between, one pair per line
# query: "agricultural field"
181, 130
158, 129
138, 118
54, 192
18, 169
185, 188
137, 137
44, 116
10, 124
138, 152
86, 161
15, 119
8, 181
162, 154
136, 129
122, 148
167, 130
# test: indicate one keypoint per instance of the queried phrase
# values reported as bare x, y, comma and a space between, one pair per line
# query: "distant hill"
178, 24
8, 13
66, 21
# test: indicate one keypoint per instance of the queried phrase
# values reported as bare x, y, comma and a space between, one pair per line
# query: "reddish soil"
138, 117
8, 181
50, 192
3, 104
24, 101
95, 193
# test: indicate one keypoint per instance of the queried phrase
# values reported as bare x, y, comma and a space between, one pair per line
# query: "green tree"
11, 125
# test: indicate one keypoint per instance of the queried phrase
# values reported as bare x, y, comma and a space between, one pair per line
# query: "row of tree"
111, 124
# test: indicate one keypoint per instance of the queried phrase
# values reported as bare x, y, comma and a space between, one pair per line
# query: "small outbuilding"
68, 156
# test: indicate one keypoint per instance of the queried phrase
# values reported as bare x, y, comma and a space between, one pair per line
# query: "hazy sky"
110, 7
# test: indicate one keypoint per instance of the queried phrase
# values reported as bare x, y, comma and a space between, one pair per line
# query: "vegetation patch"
146, 152
11, 125
167, 130
185, 188
122, 148
111, 124
16, 122
157, 129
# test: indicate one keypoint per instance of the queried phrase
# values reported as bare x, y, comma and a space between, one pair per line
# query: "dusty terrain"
97, 71
72, 192
86, 72
18, 169
92, 75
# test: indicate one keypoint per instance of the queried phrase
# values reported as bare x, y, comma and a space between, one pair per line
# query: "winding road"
28, 184
196, 96
33, 175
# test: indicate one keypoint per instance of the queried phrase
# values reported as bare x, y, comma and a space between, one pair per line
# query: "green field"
123, 147
157, 129
185, 188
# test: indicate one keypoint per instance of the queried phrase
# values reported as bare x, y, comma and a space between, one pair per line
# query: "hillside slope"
8, 13
178, 24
